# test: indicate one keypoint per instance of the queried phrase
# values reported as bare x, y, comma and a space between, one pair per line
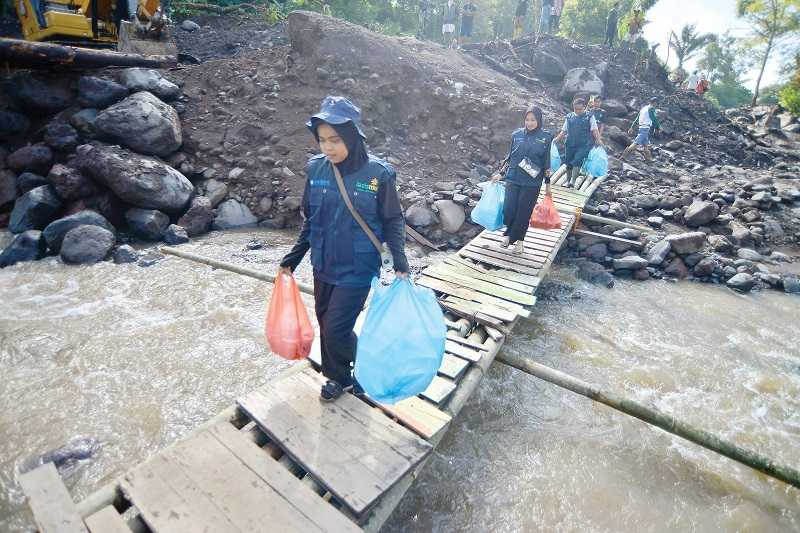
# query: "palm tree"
689, 43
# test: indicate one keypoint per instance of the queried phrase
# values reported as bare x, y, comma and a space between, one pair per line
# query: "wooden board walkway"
281, 460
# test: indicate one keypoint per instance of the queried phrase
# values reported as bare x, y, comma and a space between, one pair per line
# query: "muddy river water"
135, 357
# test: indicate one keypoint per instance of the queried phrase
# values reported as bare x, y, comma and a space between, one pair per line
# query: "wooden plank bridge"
281, 460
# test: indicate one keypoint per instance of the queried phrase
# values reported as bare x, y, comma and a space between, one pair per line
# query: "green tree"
724, 60
790, 95
689, 42
772, 22
585, 20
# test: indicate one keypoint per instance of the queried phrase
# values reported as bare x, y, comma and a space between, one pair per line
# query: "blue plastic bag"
401, 345
555, 157
489, 211
596, 162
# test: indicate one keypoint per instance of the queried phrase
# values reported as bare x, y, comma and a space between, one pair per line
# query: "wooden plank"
474, 273
532, 244
49, 500
525, 279
470, 295
418, 415
439, 390
351, 449
608, 237
507, 256
107, 520
452, 336
453, 367
489, 260
474, 315
463, 352
535, 252
501, 315
417, 236
443, 273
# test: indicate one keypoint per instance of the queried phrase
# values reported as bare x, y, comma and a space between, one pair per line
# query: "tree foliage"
585, 20
789, 96
689, 42
724, 60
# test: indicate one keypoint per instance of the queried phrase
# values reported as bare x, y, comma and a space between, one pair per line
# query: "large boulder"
216, 192
741, 234
69, 183
12, 124
36, 158
86, 245
549, 67
615, 108
451, 215
232, 214
198, 219
105, 203
99, 93
147, 224
677, 269
144, 123
594, 273
28, 181
125, 254
38, 95
84, 120
61, 136
742, 282
27, 246
719, 243
34, 210
687, 243
630, 262
700, 213
175, 234
659, 252
420, 215
581, 81
143, 79
55, 231
136, 179
8, 187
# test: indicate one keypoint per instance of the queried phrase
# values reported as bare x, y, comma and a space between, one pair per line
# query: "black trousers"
517, 210
337, 309
610, 37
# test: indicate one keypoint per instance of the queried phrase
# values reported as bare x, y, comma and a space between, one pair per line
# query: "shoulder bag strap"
356, 216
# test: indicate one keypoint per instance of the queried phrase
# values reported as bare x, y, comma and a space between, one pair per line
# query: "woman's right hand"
496, 177
285, 270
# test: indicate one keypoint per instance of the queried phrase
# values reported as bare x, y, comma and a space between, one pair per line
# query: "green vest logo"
372, 186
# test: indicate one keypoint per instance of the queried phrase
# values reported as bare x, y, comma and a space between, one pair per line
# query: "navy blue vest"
579, 130
341, 252
532, 146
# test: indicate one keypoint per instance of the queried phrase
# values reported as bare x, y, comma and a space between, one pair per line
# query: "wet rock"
142, 79
720, 244
549, 67
104, 203
630, 262
659, 252
596, 252
641, 275
36, 158
125, 254
13, 125
37, 95
216, 191
687, 243
86, 245
421, 216
704, 268
175, 235
232, 214
451, 215
594, 273
741, 282
773, 230
99, 93
84, 120
189, 25
628, 233
278, 221
78, 449
677, 269
791, 285
700, 213
28, 181
143, 123
741, 235
27, 246
749, 254
580, 80
149, 259
34, 209
620, 246
692, 259
55, 231
147, 224
655, 222
61, 136
8, 187
198, 219
138, 180
70, 184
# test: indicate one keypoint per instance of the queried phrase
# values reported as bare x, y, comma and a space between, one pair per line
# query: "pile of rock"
94, 161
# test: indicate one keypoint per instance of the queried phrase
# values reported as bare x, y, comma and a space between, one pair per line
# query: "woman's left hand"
401, 275
547, 189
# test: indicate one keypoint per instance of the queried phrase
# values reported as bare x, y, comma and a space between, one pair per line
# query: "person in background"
645, 120
467, 21
555, 15
580, 129
424, 10
635, 25
344, 258
519, 19
611, 25
702, 85
691, 82
449, 25
599, 114
530, 145
544, 20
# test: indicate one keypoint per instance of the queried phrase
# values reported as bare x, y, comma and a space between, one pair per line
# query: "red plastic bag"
288, 329
545, 215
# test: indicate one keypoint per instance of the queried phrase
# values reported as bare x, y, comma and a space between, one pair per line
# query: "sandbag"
401, 345
288, 328
545, 215
555, 157
596, 163
489, 211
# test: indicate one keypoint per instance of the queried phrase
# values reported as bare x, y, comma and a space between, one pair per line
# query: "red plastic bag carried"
545, 215
288, 329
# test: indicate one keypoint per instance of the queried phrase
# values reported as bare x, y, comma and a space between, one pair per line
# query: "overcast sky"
710, 16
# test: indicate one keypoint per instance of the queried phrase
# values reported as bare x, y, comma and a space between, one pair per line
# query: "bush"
790, 98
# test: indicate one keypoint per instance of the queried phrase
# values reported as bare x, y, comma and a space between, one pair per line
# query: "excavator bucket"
134, 38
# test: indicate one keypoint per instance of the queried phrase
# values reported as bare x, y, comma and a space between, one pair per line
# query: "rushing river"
136, 357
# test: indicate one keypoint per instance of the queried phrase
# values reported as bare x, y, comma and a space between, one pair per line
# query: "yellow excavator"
132, 26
